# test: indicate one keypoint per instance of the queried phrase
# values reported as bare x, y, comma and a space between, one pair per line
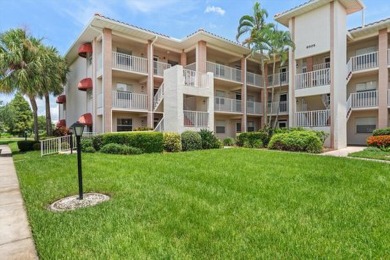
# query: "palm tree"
280, 43
257, 31
20, 66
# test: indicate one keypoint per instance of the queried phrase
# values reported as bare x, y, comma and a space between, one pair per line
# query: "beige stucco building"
123, 77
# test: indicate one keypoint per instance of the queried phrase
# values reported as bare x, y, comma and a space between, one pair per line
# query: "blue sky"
60, 22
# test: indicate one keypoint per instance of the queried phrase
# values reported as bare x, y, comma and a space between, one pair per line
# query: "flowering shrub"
379, 141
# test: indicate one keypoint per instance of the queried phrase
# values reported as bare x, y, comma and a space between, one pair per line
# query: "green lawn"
230, 203
372, 153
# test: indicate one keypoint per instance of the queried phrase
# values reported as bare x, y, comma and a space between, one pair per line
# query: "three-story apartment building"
123, 77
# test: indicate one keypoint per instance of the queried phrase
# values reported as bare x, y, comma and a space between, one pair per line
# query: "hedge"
113, 148
382, 131
251, 139
298, 141
148, 142
172, 142
380, 141
191, 141
25, 146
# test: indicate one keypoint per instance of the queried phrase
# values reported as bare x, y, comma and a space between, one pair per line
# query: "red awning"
61, 99
85, 84
86, 119
84, 49
61, 123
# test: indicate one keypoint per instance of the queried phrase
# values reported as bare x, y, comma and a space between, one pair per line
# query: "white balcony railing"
158, 96
193, 78
363, 62
196, 119
254, 108
254, 79
159, 68
130, 63
363, 99
128, 100
224, 72
191, 66
318, 118
278, 79
227, 105
321, 66
100, 100
313, 79
278, 107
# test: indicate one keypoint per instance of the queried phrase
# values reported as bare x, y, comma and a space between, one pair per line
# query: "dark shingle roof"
370, 24
296, 7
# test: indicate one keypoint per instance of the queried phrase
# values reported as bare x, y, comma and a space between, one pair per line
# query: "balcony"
363, 62
321, 66
130, 63
222, 104
364, 99
317, 118
254, 79
128, 100
279, 108
254, 108
224, 72
193, 78
159, 68
196, 119
312, 79
278, 79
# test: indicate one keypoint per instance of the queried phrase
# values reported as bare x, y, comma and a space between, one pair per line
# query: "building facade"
123, 77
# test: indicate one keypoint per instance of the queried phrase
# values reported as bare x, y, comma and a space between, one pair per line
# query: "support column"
150, 85
244, 94
107, 79
201, 57
383, 79
291, 78
183, 59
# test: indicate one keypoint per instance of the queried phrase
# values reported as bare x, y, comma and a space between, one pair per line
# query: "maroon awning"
85, 84
86, 119
84, 49
61, 99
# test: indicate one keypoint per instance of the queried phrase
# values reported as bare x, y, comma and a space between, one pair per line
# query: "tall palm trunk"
34, 106
49, 128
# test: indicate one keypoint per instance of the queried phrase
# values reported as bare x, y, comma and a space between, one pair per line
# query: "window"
124, 124
327, 62
238, 127
251, 126
282, 124
365, 125
123, 91
283, 75
220, 97
220, 127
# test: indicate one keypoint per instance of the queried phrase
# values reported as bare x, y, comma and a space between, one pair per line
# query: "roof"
370, 29
351, 6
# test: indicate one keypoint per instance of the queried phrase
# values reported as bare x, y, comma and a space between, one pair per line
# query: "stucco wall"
354, 138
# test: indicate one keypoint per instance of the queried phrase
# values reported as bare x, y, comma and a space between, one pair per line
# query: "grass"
372, 153
10, 140
230, 203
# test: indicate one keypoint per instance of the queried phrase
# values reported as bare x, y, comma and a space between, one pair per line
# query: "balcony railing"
224, 72
196, 119
159, 68
363, 99
254, 79
278, 79
128, 100
193, 78
130, 63
318, 118
254, 108
313, 79
277, 107
191, 66
158, 96
363, 62
227, 105
321, 66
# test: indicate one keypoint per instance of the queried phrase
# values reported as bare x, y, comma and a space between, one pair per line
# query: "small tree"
22, 115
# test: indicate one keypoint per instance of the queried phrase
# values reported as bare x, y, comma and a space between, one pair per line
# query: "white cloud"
214, 9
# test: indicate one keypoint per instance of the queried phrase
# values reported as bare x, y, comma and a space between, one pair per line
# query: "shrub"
380, 141
299, 141
382, 131
25, 146
228, 141
37, 147
86, 144
172, 142
253, 137
148, 142
113, 148
89, 149
321, 134
190, 141
61, 131
143, 128
209, 140
97, 142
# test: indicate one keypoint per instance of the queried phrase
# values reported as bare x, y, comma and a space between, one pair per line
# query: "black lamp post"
78, 130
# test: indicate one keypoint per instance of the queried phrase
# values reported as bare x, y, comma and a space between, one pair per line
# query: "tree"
22, 115
7, 117
257, 31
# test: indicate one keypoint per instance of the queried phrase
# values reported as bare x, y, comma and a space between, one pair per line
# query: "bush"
97, 142
209, 140
148, 142
321, 134
61, 131
172, 142
37, 147
191, 141
298, 141
253, 139
143, 128
382, 131
89, 149
228, 141
114, 148
25, 146
86, 144
380, 141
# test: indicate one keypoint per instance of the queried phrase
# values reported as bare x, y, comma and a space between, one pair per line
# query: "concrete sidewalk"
345, 151
15, 235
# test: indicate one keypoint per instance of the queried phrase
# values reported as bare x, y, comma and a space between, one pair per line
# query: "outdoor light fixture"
78, 130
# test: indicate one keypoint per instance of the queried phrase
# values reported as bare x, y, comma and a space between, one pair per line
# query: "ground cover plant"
224, 203
372, 153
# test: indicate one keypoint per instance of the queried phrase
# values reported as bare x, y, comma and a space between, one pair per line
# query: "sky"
60, 22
